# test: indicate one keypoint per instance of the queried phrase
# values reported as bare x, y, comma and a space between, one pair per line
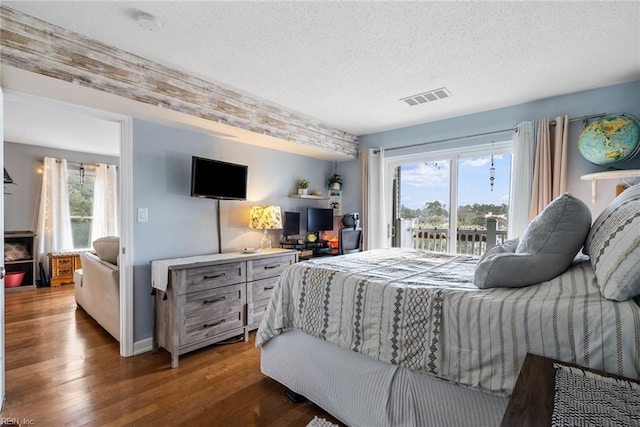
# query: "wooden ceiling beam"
37, 46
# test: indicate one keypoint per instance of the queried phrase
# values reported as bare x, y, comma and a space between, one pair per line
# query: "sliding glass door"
454, 201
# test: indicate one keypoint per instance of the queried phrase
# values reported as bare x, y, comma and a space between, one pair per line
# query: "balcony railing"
468, 241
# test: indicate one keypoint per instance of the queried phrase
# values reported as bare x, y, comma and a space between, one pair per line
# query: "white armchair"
98, 292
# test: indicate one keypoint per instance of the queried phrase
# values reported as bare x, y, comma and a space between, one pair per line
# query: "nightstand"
61, 267
532, 401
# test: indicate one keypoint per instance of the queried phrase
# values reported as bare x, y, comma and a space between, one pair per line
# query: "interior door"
2, 259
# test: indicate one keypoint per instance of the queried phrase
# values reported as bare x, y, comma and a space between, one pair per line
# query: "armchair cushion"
107, 248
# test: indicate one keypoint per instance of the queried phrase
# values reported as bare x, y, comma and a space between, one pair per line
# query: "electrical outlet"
143, 214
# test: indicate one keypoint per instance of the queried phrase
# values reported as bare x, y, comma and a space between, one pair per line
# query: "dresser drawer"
62, 262
213, 276
268, 267
212, 312
259, 290
255, 311
204, 331
60, 272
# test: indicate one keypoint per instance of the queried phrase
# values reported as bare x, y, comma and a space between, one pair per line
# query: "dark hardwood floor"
64, 369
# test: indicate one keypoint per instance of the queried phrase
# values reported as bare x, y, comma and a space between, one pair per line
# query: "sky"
421, 183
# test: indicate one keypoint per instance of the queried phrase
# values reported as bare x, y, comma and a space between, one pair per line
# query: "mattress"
420, 310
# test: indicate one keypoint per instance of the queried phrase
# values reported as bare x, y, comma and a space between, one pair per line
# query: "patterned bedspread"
420, 310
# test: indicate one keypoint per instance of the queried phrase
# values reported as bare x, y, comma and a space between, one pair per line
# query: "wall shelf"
614, 174
28, 265
308, 196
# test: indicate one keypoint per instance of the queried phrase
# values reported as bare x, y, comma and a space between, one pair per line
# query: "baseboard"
142, 346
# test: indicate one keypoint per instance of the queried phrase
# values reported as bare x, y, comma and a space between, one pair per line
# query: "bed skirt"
361, 391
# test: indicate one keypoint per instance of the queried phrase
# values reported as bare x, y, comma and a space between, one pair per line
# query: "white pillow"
613, 245
107, 248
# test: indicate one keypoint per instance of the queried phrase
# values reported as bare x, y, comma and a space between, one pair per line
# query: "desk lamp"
266, 218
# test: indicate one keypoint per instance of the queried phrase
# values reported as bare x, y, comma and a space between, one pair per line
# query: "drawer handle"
268, 288
64, 261
61, 272
214, 276
271, 267
209, 325
214, 300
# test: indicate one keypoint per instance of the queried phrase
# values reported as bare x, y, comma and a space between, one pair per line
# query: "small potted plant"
302, 185
335, 181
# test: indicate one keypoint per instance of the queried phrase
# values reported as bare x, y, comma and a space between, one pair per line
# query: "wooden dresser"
212, 298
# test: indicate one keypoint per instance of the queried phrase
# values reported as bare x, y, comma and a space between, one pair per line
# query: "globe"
610, 140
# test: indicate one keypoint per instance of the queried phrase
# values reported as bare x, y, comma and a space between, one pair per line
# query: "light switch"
143, 214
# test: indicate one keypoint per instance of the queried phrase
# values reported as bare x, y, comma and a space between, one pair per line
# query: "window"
81, 207
446, 201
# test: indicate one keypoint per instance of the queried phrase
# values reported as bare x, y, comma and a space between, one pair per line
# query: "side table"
61, 267
531, 404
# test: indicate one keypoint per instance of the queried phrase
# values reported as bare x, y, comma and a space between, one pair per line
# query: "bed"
407, 337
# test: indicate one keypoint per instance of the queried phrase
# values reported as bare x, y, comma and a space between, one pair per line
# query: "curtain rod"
90, 165
551, 123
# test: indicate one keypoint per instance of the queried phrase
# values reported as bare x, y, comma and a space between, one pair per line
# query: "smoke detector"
425, 97
148, 21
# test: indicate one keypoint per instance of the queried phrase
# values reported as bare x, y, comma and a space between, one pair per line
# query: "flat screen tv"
319, 219
291, 223
213, 179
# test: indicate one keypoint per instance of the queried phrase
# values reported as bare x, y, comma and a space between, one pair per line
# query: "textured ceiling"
348, 64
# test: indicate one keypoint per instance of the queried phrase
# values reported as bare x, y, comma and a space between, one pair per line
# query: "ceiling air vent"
423, 98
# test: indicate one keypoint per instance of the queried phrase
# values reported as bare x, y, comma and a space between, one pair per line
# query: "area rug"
320, 422
586, 399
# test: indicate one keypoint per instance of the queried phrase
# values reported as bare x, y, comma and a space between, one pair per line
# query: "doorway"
123, 142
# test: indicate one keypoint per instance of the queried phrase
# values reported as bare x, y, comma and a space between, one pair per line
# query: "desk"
531, 404
310, 250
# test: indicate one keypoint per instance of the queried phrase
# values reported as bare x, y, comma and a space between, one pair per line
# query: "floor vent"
423, 98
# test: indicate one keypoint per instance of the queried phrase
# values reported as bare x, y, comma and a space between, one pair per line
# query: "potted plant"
335, 181
302, 185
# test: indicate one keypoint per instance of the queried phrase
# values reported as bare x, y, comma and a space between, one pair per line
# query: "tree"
408, 213
436, 213
80, 196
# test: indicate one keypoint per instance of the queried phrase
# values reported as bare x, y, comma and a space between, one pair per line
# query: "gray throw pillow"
613, 245
545, 250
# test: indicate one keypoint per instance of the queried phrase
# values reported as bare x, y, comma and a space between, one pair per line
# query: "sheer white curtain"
550, 173
54, 222
524, 146
105, 199
374, 222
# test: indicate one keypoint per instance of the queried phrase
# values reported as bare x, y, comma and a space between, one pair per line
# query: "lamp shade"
265, 217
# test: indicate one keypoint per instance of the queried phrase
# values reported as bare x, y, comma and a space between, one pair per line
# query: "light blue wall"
180, 225
624, 98
23, 162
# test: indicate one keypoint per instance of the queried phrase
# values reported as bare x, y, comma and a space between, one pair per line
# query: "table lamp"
266, 218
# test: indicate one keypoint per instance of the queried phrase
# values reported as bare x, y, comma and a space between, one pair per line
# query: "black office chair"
349, 240
351, 220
